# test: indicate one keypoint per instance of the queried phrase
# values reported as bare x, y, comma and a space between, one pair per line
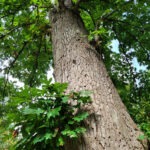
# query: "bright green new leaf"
30, 111
80, 117
141, 137
70, 133
48, 136
38, 139
65, 99
53, 112
60, 141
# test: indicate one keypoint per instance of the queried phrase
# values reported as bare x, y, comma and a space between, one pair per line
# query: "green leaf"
70, 122
65, 99
70, 133
38, 139
85, 93
80, 130
141, 137
16, 23
30, 111
48, 136
80, 117
54, 112
74, 1
60, 141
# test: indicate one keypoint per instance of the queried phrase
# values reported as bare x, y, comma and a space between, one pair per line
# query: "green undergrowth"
45, 117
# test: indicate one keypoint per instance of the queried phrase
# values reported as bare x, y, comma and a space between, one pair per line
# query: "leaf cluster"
44, 118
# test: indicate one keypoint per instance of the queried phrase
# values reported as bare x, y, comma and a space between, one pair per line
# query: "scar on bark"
74, 61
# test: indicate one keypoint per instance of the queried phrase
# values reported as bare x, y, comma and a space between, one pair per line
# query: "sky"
115, 48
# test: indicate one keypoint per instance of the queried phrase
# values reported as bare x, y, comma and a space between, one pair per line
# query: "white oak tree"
80, 32
79, 64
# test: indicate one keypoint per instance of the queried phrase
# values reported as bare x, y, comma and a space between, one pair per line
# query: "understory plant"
45, 117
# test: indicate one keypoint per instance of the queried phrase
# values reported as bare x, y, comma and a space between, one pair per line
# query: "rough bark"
109, 126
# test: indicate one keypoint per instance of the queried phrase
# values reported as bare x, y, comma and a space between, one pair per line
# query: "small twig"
3, 36
15, 59
136, 39
35, 66
15, 28
111, 13
19, 53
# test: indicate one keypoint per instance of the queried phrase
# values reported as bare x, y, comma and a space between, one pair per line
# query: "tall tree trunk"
109, 126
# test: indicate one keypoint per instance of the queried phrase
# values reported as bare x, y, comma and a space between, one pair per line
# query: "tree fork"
109, 126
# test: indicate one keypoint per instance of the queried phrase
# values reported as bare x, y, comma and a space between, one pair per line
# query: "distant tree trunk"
109, 126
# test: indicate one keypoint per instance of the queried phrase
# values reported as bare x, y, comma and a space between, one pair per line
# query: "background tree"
26, 54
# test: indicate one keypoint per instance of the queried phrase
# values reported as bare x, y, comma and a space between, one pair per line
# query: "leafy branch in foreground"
45, 117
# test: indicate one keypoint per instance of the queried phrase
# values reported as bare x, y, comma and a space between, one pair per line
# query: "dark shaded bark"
109, 126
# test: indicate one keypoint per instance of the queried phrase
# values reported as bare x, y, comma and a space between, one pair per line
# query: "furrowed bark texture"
109, 126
